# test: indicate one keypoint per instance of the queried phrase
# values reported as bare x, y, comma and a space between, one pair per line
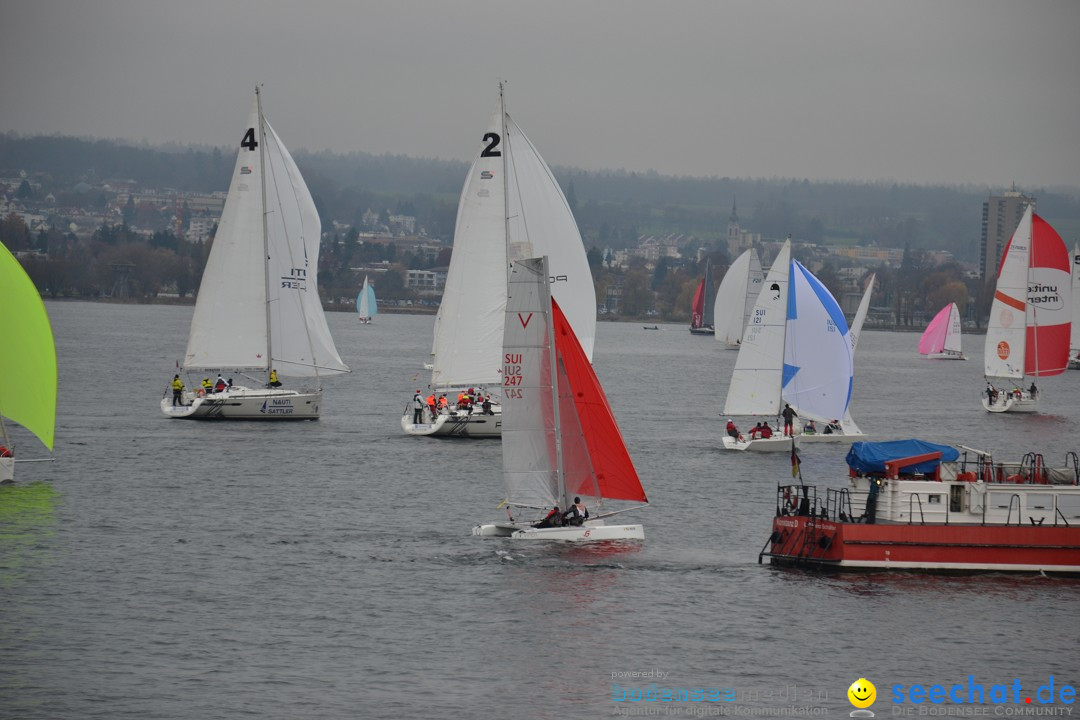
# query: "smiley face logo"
862, 693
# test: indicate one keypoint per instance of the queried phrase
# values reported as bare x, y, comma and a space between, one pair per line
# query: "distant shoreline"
427, 310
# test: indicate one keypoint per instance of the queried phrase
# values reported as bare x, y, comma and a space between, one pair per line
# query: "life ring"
199, 392
791, 500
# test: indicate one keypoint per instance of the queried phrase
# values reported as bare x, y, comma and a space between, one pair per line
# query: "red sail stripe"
1009, 300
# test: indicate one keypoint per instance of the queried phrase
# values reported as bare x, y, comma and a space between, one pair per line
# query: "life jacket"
431, 400
177, 384
207, 384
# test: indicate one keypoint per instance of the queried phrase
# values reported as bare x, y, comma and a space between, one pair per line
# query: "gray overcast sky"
981, 91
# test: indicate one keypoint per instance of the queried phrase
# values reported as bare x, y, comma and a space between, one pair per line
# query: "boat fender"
824, 542
199, 392
1015, 479
966, 477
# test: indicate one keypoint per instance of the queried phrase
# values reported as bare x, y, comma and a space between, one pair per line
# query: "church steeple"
733, 230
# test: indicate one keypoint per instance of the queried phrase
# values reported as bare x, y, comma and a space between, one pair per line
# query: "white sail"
758, 375
860, 313
300, 340
854, 331
1006, 333
818, 364
952, 332
258, 304
468, 334
511, 207
736, 296
228, 327
529, 420
541, 223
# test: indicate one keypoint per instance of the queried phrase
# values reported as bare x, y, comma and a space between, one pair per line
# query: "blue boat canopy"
870, 457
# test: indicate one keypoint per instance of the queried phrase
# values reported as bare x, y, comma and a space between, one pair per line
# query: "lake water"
170, 569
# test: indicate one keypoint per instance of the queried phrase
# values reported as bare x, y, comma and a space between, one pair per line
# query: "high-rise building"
1000, 216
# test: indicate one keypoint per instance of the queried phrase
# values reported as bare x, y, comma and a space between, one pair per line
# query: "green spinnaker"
27, 353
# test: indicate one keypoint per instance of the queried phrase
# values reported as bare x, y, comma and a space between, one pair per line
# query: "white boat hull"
7, 469
241, 403
591, 531
456, 424
777, 443
1008, 402
946, 356
845, 437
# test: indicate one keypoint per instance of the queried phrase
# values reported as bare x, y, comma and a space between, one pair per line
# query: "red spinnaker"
615, 473
1049, 301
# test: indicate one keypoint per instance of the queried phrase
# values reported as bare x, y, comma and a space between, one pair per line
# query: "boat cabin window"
1000, 500
1069, 506
934, 499
1039, 501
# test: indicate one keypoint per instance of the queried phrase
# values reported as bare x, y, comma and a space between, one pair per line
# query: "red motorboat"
913, 505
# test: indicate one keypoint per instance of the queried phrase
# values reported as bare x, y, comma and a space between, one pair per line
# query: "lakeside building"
1000, 216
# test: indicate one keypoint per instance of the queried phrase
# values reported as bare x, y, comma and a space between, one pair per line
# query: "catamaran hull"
589, 532
7, 469
247, 404
946, 356
702, 331
460, 425
805, 541
1011, 404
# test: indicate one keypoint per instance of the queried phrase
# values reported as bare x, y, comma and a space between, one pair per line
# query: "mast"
505, 181
560, 475
265, 233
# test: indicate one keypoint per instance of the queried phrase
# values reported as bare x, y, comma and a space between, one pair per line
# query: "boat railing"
913, 500
1015, 497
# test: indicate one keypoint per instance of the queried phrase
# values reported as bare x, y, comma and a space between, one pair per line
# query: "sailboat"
1074, 341
1030, 319
797, 350
511, 208
258, 308
366, 307
27, 362
735, 298
846, 430
941, 339
701, 311
560, 439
